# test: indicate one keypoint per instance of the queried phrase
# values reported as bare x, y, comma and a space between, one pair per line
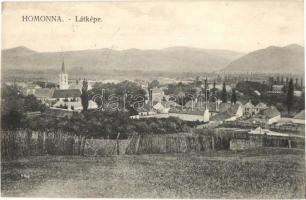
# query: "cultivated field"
266, 173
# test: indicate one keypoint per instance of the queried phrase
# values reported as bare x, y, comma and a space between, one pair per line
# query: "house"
160, 108
145, 110
298, 93
44, 95
30, 89
222, 107
249, 109
270, 115
299, 118
261, 131
157, 94
260, 106
74, 105
235, 111
300, 115
277, 89
231, 114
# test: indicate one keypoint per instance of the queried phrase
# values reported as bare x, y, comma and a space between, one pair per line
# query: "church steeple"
63, 78
63, 67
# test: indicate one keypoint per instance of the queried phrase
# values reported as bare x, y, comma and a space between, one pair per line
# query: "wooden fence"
296, 128
172, 143
20, 143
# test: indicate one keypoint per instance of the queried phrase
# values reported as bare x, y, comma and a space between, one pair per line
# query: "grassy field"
266, 173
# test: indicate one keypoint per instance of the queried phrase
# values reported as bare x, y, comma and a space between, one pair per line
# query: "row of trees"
108, 124
191, 90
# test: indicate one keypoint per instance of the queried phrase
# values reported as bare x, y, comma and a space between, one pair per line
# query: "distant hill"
288, 59
178, 59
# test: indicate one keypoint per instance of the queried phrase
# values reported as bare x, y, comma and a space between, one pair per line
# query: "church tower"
63, 78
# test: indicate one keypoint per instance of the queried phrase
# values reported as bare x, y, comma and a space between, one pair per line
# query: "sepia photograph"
140, 99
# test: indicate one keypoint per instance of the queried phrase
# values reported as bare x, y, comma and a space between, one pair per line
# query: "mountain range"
177, 59
287, 59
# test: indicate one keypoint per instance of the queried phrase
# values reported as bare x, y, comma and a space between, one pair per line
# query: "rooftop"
44, 93
68, 93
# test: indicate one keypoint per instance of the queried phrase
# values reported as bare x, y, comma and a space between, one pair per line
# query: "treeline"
107, 124
15, 105
284, 101
111, 96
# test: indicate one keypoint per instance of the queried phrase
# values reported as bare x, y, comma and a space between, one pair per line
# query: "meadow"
259, 173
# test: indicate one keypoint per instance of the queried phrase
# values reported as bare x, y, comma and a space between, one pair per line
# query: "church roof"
68, 93
43, 93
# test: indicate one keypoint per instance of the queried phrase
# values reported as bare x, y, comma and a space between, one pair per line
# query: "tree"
290, 95
12, 107
31, 103
205, 84
84, 96
154, 84
234, 98
117, 91
224, 93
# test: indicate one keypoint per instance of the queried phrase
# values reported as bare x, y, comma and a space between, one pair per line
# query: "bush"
108, 124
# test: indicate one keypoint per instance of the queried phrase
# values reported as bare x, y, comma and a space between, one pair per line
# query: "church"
65, 96
64, 93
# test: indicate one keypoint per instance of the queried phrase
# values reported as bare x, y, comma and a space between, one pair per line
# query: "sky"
237, 25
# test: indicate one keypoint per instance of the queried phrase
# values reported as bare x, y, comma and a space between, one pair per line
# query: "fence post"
83, 145
289, 144
44, 143
117, 142
137, 144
